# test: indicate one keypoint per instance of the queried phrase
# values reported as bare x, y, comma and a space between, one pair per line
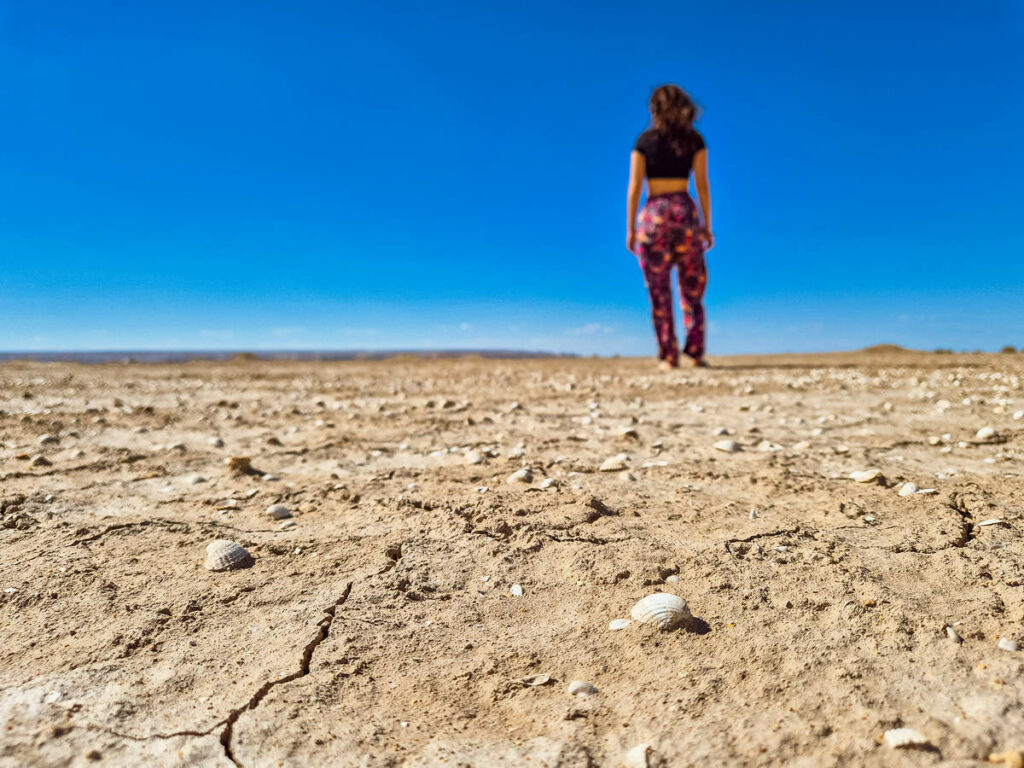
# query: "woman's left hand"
709, 240
631, 241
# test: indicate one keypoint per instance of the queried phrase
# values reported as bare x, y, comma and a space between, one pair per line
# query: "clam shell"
866, 476
985, 433
661, 609
614, 464
278, 512
727, 446
908, 489
225, 555
616, 624
520, 476
581, 688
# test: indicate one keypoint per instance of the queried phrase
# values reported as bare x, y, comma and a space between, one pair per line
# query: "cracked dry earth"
379, 629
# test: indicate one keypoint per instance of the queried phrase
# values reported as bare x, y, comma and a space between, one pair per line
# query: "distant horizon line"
242, 354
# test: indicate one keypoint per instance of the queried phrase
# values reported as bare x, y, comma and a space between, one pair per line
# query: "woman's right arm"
700, 172
637, 171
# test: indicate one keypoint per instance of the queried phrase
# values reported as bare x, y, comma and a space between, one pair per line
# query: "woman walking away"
668, 231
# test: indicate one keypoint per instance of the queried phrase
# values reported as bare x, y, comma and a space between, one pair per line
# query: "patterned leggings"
668, 234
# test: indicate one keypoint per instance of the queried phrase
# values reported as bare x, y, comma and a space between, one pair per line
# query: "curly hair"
673, 113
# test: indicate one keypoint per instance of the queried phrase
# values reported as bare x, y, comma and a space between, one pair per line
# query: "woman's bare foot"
665, 365
700, 362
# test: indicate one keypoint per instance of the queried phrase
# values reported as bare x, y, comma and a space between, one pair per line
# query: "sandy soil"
379, 629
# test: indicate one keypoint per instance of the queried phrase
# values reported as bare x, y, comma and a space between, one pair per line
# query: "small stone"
638, 757
727, 446
952, 634
720, 432
520, 476
40, 461
1008, 644
196, 480
627, 477
753, 514
47, 439
991, 521
239, 463
898, 738
278, 512
934, 440
985, 433
270, 478
581, 689
673, 579
515, 590
616, 624
216, 442
474, 457
1018, 415
549, 482
176, 447
908, 489
802, 446
285, 525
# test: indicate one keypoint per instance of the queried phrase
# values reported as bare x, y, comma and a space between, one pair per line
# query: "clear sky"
330, 174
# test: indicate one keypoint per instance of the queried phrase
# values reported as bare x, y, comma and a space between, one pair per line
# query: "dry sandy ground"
379, 629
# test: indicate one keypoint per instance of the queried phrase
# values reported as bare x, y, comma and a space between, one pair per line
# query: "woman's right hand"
709, 239
631, 241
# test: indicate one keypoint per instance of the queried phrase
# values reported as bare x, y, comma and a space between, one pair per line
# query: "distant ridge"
878, 349
184, 356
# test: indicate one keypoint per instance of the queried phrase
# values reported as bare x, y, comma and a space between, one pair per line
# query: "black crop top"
662, 160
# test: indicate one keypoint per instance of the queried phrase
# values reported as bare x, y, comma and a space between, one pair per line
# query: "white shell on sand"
985, 433
581, 688
616, 624
720, 432
225, 555
614, 464
515, 590
285, 525
908, 489
866, 475
278, 512
1007, 644
637, 757
905, 737
768, 446
803, 445
727, 446
952, 635
520, 476
1018, 415
661, 609
549, 482
628, 433
474, 457
45, 439
535, 680
991, 521
627, 477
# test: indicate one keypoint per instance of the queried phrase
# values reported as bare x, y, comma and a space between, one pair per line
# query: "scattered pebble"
40, 461
515, 590
47, 439
549, 482
520, 476
985, 433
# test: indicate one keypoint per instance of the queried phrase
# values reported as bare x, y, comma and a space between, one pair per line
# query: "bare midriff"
667, 186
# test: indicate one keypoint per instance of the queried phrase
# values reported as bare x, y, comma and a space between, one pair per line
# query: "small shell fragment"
663, 610
866, 475
952, 634
549, 482
581, 688
727, 446
614, 464
515, 590
985, 433
474, 457
1008, 644
225, 555
908, 489
616, 624
991, 521
637, 757
898, 738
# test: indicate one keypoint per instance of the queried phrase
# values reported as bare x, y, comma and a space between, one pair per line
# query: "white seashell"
1007, 644
637, 757
866, 476
474, 457
908, 489
614, 464
898, 738
224, 555
515, 590
720, 432
535, 680
627, 477
616, 624
992, 521
753, 514
727, 446
985, 433
549, 482
1018, 415
952, 635
673, 579
628, 433
516, 453
934, 440
927, 491
196, 479
520, 476
661, 609
278, 512
285, 525
768, 446
581, 688
803, 445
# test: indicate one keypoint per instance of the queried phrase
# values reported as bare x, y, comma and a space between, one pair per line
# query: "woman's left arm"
637, 171
700, 172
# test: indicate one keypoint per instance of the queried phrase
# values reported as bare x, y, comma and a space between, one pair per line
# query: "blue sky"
333, 175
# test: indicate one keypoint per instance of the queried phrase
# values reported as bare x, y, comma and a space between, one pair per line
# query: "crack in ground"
307, 657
